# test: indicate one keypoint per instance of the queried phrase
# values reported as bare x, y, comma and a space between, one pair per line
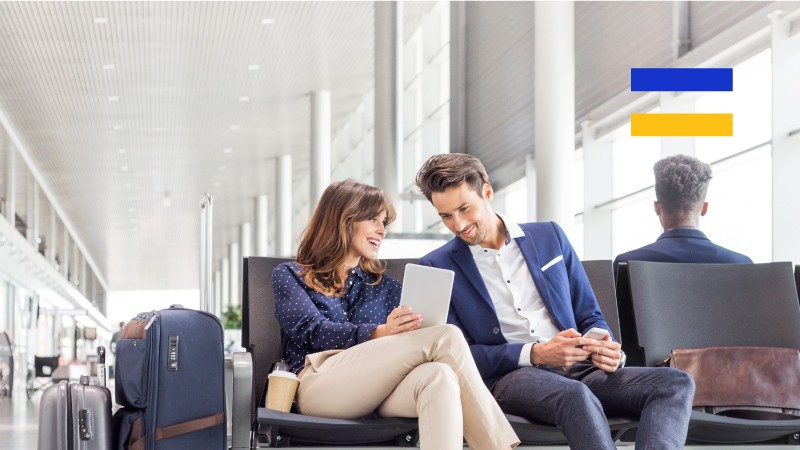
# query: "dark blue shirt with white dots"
312, 322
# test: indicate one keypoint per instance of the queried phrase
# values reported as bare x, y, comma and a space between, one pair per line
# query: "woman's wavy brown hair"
326, 239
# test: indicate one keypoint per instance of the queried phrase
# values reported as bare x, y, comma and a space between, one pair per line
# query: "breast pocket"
555, 272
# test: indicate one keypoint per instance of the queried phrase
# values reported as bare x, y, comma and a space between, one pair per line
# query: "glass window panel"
432, 28
5, 306
739, 199
633, 158
634, 224
576, 237
516, 204
431, 82
577, 183
751, 105
411, 58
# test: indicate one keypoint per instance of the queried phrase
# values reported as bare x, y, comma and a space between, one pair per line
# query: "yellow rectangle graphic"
681, 124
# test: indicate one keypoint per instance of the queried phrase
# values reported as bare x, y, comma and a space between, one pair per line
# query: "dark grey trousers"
579, 401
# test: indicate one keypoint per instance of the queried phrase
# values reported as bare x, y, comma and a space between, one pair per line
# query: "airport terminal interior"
132, 131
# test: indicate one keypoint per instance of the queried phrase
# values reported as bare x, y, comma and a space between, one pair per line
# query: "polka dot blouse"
312, 322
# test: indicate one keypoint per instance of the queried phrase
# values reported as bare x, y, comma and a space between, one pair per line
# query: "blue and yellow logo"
681, 79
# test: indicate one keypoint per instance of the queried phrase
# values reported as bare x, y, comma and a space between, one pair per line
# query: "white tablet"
427, 290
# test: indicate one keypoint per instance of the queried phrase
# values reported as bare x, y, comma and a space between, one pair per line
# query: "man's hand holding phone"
563, 350
606, 353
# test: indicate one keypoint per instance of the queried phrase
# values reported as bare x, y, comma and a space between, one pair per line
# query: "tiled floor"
18, 421
19, 417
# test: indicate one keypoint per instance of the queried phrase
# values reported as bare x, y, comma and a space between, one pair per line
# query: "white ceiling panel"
128, 150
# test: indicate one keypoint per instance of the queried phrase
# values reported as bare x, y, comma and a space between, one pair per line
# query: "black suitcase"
75, 416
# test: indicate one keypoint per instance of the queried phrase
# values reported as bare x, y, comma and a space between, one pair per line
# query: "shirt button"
485, 251
508, 281
519, 309
496, 330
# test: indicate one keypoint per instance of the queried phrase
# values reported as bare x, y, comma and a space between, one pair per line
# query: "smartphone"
596, 333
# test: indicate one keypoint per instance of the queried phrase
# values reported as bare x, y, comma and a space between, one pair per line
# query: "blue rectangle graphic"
681, 79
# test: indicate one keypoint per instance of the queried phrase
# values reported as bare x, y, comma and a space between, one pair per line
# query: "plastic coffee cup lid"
282, 374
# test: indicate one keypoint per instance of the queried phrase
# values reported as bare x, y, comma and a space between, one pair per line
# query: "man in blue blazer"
523, 301
681, 186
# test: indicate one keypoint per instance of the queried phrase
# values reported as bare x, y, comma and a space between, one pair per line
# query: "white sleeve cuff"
525, 355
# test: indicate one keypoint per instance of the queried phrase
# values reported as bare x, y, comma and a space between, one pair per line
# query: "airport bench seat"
261, 338
707, 305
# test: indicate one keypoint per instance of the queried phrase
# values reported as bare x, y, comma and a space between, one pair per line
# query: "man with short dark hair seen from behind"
681, 185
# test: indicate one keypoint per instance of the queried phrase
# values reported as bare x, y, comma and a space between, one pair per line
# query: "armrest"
242, 417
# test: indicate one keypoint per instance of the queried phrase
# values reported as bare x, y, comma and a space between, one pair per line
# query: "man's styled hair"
326, 240
442, 172
681, 183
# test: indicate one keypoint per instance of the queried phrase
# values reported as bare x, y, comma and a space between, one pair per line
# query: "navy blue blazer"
563, 286
683, 245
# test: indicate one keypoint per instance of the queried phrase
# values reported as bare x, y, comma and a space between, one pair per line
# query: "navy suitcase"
170, 379
76, 416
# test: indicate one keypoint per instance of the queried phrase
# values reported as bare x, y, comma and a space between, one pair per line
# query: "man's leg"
546, 396
661, 397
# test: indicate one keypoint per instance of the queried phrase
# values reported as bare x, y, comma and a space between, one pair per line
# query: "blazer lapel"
464, 260
531, 255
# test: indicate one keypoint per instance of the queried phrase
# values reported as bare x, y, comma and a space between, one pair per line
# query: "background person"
681, 186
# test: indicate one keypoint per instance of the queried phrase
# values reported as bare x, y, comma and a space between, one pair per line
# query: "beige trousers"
427, 373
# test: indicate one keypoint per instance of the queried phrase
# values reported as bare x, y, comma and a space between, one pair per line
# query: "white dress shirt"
519, 307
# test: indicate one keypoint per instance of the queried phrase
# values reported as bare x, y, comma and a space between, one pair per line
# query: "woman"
356, 351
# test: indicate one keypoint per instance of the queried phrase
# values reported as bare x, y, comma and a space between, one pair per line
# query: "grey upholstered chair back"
797, 280
261, 334
705, 305
601, 277
396, 268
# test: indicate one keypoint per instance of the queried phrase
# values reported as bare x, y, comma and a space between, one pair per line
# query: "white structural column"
32, 215
246, 239
785, 141
52, 237
261, 236
76, 265
530, 184
83, 278
283, 237
388, 98
65, 253
320, 146
236, 263
226, 278
598, 190
554, 109
10, 181
458, 77
217, 293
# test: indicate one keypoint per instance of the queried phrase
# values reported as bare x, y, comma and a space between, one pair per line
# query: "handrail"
206, 303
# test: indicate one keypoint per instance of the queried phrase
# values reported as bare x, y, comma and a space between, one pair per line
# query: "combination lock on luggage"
86, 424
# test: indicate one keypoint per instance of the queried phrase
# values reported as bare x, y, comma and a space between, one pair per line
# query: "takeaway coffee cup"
282, 387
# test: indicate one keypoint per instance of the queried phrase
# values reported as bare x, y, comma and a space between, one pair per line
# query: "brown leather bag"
744, 382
